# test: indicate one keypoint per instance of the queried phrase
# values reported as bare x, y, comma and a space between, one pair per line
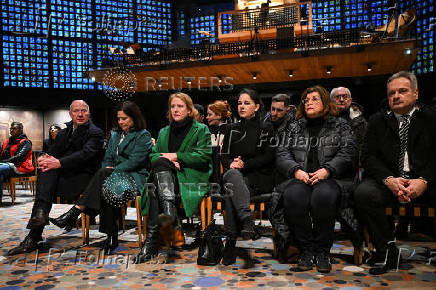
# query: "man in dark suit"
66, 170
399, 164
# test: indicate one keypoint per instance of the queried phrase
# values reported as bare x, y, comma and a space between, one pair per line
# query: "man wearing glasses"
15, 156
65, 170
352, 112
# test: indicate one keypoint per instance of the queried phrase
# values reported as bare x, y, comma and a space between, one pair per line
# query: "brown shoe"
179, 239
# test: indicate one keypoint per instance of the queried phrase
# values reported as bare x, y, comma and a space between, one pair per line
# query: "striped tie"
404, 130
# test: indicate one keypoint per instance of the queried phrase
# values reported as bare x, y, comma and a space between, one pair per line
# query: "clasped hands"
171, 157
237, 163
406, 189
313, 177
47, 162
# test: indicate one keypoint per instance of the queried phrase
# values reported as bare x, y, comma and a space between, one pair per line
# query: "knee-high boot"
151, 246
167, 197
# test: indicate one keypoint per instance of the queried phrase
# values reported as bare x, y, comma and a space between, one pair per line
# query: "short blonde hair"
188, 102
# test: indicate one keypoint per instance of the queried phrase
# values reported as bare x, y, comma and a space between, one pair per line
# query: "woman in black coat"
247, 159
319, 158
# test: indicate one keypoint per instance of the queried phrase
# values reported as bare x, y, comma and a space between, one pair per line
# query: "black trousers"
92, 199
310, 212
237, 200
371, 198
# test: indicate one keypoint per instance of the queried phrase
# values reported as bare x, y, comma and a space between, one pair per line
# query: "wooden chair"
141, 221
30, 179
85, 220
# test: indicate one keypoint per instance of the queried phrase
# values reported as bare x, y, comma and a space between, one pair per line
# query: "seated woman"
217, 115
52, 133
181, 167
248, 161
128, 153
320, 159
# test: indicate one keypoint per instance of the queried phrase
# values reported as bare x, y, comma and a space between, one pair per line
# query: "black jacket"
250, 140
381, 146
357, 122
336, 149
80, 154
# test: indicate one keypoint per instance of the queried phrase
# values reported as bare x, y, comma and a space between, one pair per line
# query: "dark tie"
404, 132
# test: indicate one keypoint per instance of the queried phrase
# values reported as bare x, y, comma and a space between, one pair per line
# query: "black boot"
392, 260
67, 220
29, 244
248, 231
151, 246
229, 252
167, 197
111, 243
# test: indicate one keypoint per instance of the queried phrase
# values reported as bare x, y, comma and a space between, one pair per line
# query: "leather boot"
391, 261
151, 246
229, 252
67, 220
248, 231
167, 197
28, 245
111, 243
39, 219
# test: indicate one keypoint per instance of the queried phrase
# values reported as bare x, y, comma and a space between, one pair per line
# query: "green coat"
195, 158
133, 155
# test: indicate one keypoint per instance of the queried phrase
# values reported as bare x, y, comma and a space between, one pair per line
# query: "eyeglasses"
314, 100
343, 97
14, 128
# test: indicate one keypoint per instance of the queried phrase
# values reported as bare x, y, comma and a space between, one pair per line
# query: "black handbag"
119, 188
211, 246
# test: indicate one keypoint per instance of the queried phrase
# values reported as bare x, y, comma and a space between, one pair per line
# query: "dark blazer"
381, 145
132, 157
80, 153
337, 150
250, 139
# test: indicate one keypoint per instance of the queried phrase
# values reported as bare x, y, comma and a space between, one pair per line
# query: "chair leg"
358, 256
203, 214
138, 222
123, 217
209, 209
83, 228
12, 185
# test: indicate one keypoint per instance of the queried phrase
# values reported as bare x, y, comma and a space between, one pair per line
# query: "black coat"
337, 149
250, 139
80, 154
337, 152
381, 146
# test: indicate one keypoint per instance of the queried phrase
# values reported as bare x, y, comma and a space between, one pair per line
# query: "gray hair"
333, 92
405, 74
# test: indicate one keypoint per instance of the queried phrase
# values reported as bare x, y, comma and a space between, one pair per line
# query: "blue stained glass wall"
203, 23
51, 44
114, 20
24, 16
71, 60
71, 19
154, 22
25, 62
426, 27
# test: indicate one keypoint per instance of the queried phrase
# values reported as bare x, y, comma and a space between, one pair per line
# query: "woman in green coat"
181, 166
124, 169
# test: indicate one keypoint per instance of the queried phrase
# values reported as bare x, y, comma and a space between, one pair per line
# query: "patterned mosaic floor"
64, 263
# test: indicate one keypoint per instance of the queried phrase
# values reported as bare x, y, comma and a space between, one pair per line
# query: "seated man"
399, 162
66, 170
15, 155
